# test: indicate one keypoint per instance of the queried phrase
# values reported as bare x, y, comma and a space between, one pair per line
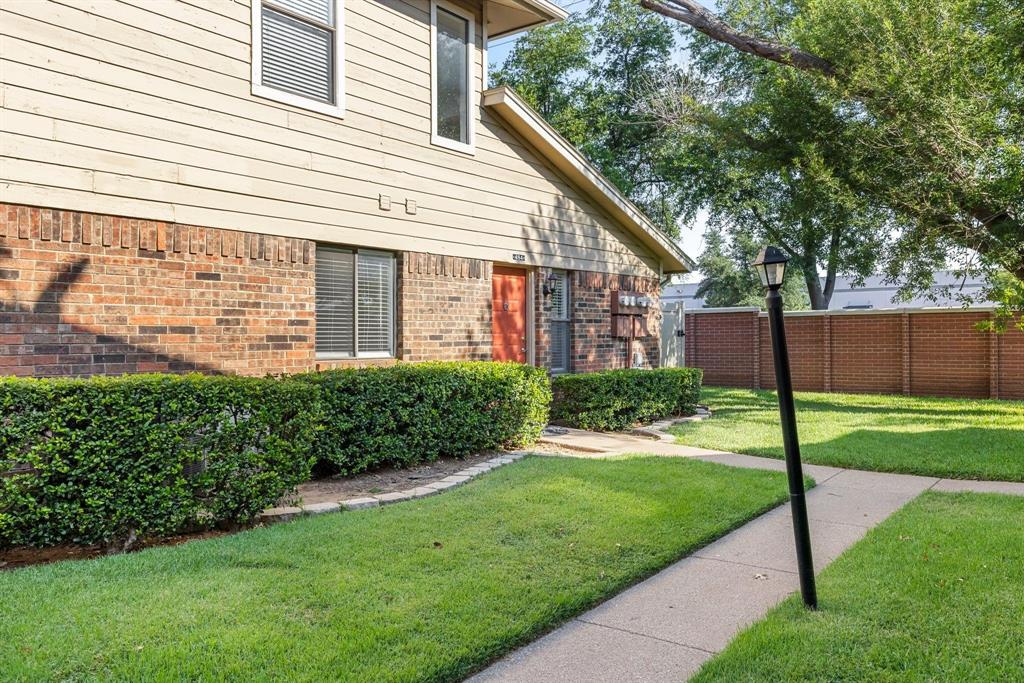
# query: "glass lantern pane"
775, 273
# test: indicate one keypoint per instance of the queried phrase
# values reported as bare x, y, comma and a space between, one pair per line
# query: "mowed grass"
426, 590
936, 593
956, 438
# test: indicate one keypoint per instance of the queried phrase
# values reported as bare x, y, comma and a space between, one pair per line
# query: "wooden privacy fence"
921, 352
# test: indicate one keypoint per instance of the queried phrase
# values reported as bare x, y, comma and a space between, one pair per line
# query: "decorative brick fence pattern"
921, 352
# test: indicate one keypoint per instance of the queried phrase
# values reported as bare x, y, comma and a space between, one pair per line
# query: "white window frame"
336, 109
564, 317
471, 91
392, 308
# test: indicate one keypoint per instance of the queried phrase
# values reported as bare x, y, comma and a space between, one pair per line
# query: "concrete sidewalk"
665, 628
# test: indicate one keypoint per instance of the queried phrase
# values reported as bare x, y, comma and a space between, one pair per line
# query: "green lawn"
936, 593
955, 438
420, 591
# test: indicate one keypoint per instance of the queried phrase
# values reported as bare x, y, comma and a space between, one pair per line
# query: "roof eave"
567, 159
541, 12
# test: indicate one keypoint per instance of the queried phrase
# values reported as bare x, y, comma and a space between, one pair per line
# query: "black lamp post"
771, 268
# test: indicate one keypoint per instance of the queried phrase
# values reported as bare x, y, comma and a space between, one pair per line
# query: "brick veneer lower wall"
444, 308
87, 294
927, 353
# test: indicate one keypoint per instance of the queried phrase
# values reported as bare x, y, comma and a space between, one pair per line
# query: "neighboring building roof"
874, 294
522, 119
509, 16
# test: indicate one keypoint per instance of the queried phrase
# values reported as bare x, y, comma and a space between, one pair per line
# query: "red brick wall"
948, 357
726, 346
867, 353
593, 346
86, 294
921, 353
805, 339
444, 308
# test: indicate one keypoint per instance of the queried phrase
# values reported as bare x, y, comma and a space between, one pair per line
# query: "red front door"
508, 305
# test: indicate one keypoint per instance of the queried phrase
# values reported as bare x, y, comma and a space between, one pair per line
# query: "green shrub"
111, 459
409, 413
618, 399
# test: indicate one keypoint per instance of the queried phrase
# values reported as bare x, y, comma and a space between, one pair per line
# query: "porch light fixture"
549, 284
770, 265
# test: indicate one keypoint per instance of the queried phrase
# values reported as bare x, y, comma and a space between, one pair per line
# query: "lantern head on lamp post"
770, 265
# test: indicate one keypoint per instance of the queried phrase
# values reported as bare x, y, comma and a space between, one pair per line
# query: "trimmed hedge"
409, 413
112, 459
618, 399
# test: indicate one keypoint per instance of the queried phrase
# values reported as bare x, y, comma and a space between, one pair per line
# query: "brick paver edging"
283, 514
659, 430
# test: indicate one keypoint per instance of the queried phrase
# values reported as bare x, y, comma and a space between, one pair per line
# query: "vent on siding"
335, 279
376, 278
298, 48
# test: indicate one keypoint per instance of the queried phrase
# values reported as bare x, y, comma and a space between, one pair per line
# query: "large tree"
933, 99
763, 151
730, 281
585, 76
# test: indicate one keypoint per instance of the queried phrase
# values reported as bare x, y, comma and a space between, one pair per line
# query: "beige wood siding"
144, 108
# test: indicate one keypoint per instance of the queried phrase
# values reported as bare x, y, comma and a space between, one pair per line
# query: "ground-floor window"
558, 284
355, 303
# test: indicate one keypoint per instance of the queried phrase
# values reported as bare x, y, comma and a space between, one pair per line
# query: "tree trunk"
819, 299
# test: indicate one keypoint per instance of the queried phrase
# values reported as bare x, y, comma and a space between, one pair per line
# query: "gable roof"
522, 119
509, 16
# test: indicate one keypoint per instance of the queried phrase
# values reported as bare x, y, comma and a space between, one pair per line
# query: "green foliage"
111, 459
1008, 293
937, 437
410, 413
764, 150
934, 593
913, 144
587, 77
429, 590
618, 399
730, 281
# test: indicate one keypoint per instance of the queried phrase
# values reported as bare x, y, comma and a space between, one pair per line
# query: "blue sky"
692, 238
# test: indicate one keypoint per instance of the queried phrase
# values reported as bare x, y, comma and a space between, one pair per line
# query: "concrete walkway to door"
665, 628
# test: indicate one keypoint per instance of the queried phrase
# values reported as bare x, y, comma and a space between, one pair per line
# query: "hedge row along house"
282, 185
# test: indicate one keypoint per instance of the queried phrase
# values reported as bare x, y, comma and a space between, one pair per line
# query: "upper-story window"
451, 72
298, 53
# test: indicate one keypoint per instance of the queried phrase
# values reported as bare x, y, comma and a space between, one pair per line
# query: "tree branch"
693, 14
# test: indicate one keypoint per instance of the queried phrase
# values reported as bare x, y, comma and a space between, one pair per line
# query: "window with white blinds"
375, 292
298, 53
558, 284
355, 303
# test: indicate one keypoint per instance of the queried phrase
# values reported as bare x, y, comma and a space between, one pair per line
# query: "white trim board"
258, 89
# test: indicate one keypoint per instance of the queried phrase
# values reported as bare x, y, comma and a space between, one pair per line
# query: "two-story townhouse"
277, 185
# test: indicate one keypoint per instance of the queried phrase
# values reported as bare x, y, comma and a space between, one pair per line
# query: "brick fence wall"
926, 352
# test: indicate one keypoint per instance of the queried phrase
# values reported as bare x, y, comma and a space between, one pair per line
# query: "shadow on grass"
989, 453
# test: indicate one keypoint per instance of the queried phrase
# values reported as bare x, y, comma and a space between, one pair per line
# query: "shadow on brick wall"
39, 341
